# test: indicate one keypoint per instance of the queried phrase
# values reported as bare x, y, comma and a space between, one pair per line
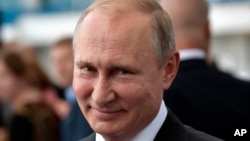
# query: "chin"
107, 129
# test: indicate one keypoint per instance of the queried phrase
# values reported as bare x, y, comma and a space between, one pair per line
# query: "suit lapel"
172, 129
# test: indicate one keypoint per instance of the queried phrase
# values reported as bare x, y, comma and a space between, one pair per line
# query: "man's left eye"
124, 72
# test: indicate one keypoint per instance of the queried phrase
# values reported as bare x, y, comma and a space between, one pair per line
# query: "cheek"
133, 94
145, 94
69, 67
69, 72
140, 101
82, 92
83, 89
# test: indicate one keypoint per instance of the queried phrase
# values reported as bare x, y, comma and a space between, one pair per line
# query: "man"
62, 60
202, 96
73, 125
124, 56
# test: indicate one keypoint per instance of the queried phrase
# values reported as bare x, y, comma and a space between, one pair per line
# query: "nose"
103, 93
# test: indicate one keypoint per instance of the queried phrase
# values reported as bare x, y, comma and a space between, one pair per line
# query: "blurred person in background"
22, 85
73, 124
203, 96
3, 131
4, 136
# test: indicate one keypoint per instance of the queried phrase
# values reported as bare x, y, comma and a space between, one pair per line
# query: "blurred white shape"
44, 29
244, 75
231, 18
8, 32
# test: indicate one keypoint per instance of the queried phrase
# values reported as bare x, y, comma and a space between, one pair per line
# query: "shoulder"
91, 137
196, 135
173, 129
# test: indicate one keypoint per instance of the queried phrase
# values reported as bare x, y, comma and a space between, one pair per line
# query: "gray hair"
162, 40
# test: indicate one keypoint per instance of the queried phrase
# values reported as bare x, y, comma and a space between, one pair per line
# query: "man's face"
117, 79
62, 60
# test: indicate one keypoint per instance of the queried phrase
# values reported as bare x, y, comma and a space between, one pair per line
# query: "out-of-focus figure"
73, 124
22, 85
203, 96
3, 134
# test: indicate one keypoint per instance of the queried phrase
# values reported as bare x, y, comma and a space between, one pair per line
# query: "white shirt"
70, 94
187, 54
149, 132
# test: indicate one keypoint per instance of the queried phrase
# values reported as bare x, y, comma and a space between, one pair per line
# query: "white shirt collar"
187, 54
149, 132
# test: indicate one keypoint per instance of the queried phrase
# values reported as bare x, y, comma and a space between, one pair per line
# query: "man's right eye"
88, 69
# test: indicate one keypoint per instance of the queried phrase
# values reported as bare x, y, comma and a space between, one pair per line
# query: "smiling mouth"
106, 111
106, 114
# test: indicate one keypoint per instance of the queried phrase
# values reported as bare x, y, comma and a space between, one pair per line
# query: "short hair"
20, 67
13, 61
162, 38
65, 41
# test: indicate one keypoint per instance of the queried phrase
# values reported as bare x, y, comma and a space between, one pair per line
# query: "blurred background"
41, 22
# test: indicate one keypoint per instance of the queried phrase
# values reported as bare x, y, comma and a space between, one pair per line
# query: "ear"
170, 69
207, 36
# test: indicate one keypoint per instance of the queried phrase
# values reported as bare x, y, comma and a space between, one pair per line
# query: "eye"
124, 72
88, 69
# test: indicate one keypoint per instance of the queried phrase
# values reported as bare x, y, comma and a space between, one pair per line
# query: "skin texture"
117, 79
190, 22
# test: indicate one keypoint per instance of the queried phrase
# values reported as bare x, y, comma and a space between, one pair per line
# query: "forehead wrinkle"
109, 56
115, 28
109, 32
104, 43
108, 61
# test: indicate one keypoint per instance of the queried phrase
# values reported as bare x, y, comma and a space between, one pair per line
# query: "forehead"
124, 37
61, 50
60, 47
126, 28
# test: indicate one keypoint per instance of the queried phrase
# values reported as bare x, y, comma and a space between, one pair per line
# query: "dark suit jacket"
208, 99
75, 126
173, 130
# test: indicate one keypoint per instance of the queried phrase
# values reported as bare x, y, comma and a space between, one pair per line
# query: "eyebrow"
83, 63
116, 66
110, 68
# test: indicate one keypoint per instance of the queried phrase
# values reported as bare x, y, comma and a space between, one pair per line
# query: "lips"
104, 114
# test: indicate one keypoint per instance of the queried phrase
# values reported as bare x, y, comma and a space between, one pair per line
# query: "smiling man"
124, 56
